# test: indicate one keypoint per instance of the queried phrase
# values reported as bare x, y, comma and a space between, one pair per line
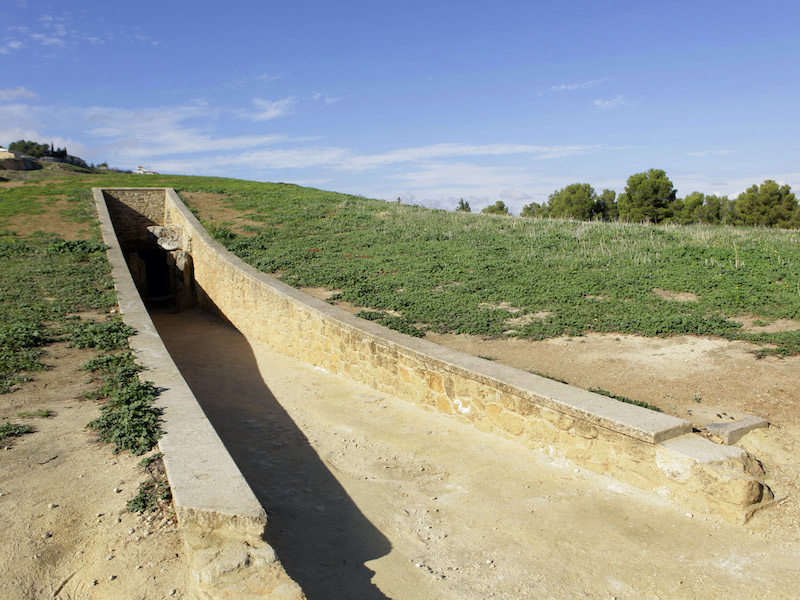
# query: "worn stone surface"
731, 432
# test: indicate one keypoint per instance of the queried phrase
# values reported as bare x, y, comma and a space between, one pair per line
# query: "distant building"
142, 171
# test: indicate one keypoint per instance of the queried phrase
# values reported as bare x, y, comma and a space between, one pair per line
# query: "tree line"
37, 150
651, 197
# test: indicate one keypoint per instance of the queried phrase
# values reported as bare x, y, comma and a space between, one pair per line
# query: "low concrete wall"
221, 520
638, 446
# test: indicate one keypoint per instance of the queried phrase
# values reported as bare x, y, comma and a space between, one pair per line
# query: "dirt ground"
64, 529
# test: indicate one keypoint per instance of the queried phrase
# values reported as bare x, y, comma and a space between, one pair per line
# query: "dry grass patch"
210, 206
756, 324
675, 296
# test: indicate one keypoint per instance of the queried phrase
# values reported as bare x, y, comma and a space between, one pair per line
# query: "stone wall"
132, 211
222, 523
641, 447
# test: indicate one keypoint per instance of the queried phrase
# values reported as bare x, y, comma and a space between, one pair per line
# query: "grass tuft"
646, 405
13, 430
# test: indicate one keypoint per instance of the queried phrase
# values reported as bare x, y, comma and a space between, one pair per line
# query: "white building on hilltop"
142, 171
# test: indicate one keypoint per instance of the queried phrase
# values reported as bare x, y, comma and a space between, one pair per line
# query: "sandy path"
370, 497
64, 529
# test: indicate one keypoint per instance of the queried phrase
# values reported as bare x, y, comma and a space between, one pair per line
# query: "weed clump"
12, 430
105, 335
128, 419
155, 493
641, 403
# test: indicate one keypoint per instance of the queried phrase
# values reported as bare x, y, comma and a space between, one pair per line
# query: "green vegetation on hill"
464, 273
471, 273
45, 280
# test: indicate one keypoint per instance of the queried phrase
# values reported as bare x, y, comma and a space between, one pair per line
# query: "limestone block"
558, 419
584, 430
731, 432
527, 408
449, 386
493, 412
233, 570
512, 424
443, 404
434, 381
509, 401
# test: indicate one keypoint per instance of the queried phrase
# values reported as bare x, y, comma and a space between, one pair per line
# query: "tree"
688, 210
36, 149
717, 210
535, 210
498, 208
463, 206
767, 204
647, 197
573, 202
579, 201
607, 205
33, 149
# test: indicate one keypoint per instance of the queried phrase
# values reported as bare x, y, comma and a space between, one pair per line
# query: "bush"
105, 335
129, 420
12, 430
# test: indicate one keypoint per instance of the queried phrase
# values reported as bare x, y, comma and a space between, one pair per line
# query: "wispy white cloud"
571, 87
52, 34
469, 175
266, 110
10, 46
21, 121
271, 109
161, 131
710, 153
437, 151
19, 92
515, 195
48, 40
326, 99
191, 139
615, 102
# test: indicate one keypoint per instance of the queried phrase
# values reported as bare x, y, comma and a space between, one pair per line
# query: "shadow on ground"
320, 535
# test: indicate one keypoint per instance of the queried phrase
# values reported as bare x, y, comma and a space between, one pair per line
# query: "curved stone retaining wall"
221, 520
638, 446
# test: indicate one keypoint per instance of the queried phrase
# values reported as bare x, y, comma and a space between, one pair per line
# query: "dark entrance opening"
151, 272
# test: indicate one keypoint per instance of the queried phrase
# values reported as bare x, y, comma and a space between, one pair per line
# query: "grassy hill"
418, 269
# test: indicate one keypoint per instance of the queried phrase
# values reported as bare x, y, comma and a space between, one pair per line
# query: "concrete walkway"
369, 497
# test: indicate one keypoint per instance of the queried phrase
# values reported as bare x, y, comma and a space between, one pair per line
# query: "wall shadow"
320, 535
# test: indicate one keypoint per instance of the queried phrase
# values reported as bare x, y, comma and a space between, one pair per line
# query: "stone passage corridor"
369, 497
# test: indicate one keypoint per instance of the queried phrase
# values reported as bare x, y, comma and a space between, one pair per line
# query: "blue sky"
427, 101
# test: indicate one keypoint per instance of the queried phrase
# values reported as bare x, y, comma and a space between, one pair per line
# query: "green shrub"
129, 420
154, 493
105, 335
13, 430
